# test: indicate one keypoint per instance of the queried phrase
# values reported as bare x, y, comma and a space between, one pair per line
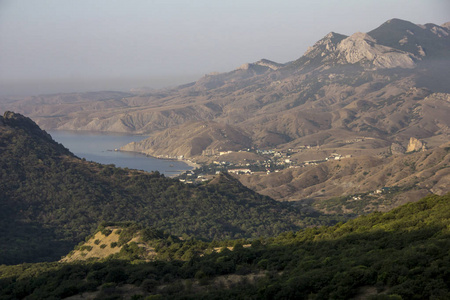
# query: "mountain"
390, 84
51, 200
360, 49
401, 254
427, 40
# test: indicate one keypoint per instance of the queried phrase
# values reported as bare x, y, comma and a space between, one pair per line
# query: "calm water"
100, 147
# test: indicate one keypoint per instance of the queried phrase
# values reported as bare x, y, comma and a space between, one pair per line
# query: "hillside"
402, 254
51, 200
408, 176
192, 139
389, 84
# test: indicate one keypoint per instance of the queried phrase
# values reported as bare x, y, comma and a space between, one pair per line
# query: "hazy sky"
69, 45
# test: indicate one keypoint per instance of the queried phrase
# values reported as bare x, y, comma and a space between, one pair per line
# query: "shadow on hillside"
31, 242
404, 262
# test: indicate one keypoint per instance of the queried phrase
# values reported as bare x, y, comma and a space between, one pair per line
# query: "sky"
51, 46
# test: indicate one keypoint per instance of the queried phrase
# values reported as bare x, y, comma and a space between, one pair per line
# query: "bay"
99, 147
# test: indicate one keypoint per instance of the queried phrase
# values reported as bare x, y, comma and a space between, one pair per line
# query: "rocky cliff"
415, 145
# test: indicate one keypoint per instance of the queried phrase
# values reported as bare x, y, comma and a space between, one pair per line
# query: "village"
271, 161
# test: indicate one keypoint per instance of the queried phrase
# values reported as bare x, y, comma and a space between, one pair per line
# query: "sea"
101, 148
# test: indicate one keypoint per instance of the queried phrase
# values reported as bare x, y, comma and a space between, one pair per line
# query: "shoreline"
111, 143
186, 161
191, 163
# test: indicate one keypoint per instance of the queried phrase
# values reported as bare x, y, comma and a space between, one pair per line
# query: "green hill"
51, 200
402, 254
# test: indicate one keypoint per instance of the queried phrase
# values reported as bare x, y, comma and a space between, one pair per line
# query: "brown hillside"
421, 173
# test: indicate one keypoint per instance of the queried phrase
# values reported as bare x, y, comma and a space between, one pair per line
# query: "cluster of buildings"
274, 161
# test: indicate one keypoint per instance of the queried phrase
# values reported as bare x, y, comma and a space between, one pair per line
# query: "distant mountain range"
389, 84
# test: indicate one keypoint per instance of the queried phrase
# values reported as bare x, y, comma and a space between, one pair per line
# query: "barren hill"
192, 139
413, 176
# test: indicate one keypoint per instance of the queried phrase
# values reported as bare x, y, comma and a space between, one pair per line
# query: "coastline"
186, 161
99, 147
190, 163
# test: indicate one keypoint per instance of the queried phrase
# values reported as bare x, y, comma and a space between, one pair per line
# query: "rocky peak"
396, 25
362, 48
245, 66
429, 39
326, 45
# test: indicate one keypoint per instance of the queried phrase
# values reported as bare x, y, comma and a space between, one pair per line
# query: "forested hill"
50, 200
402, 254
14, 128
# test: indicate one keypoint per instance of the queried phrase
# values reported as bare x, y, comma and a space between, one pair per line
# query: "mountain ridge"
360, 84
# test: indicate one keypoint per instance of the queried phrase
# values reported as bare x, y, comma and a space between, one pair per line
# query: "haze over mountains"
389, 84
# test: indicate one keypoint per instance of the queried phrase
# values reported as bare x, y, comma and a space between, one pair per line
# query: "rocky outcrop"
260, 66
270, 64
415, 145
325, 46
362, 48
396, 148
